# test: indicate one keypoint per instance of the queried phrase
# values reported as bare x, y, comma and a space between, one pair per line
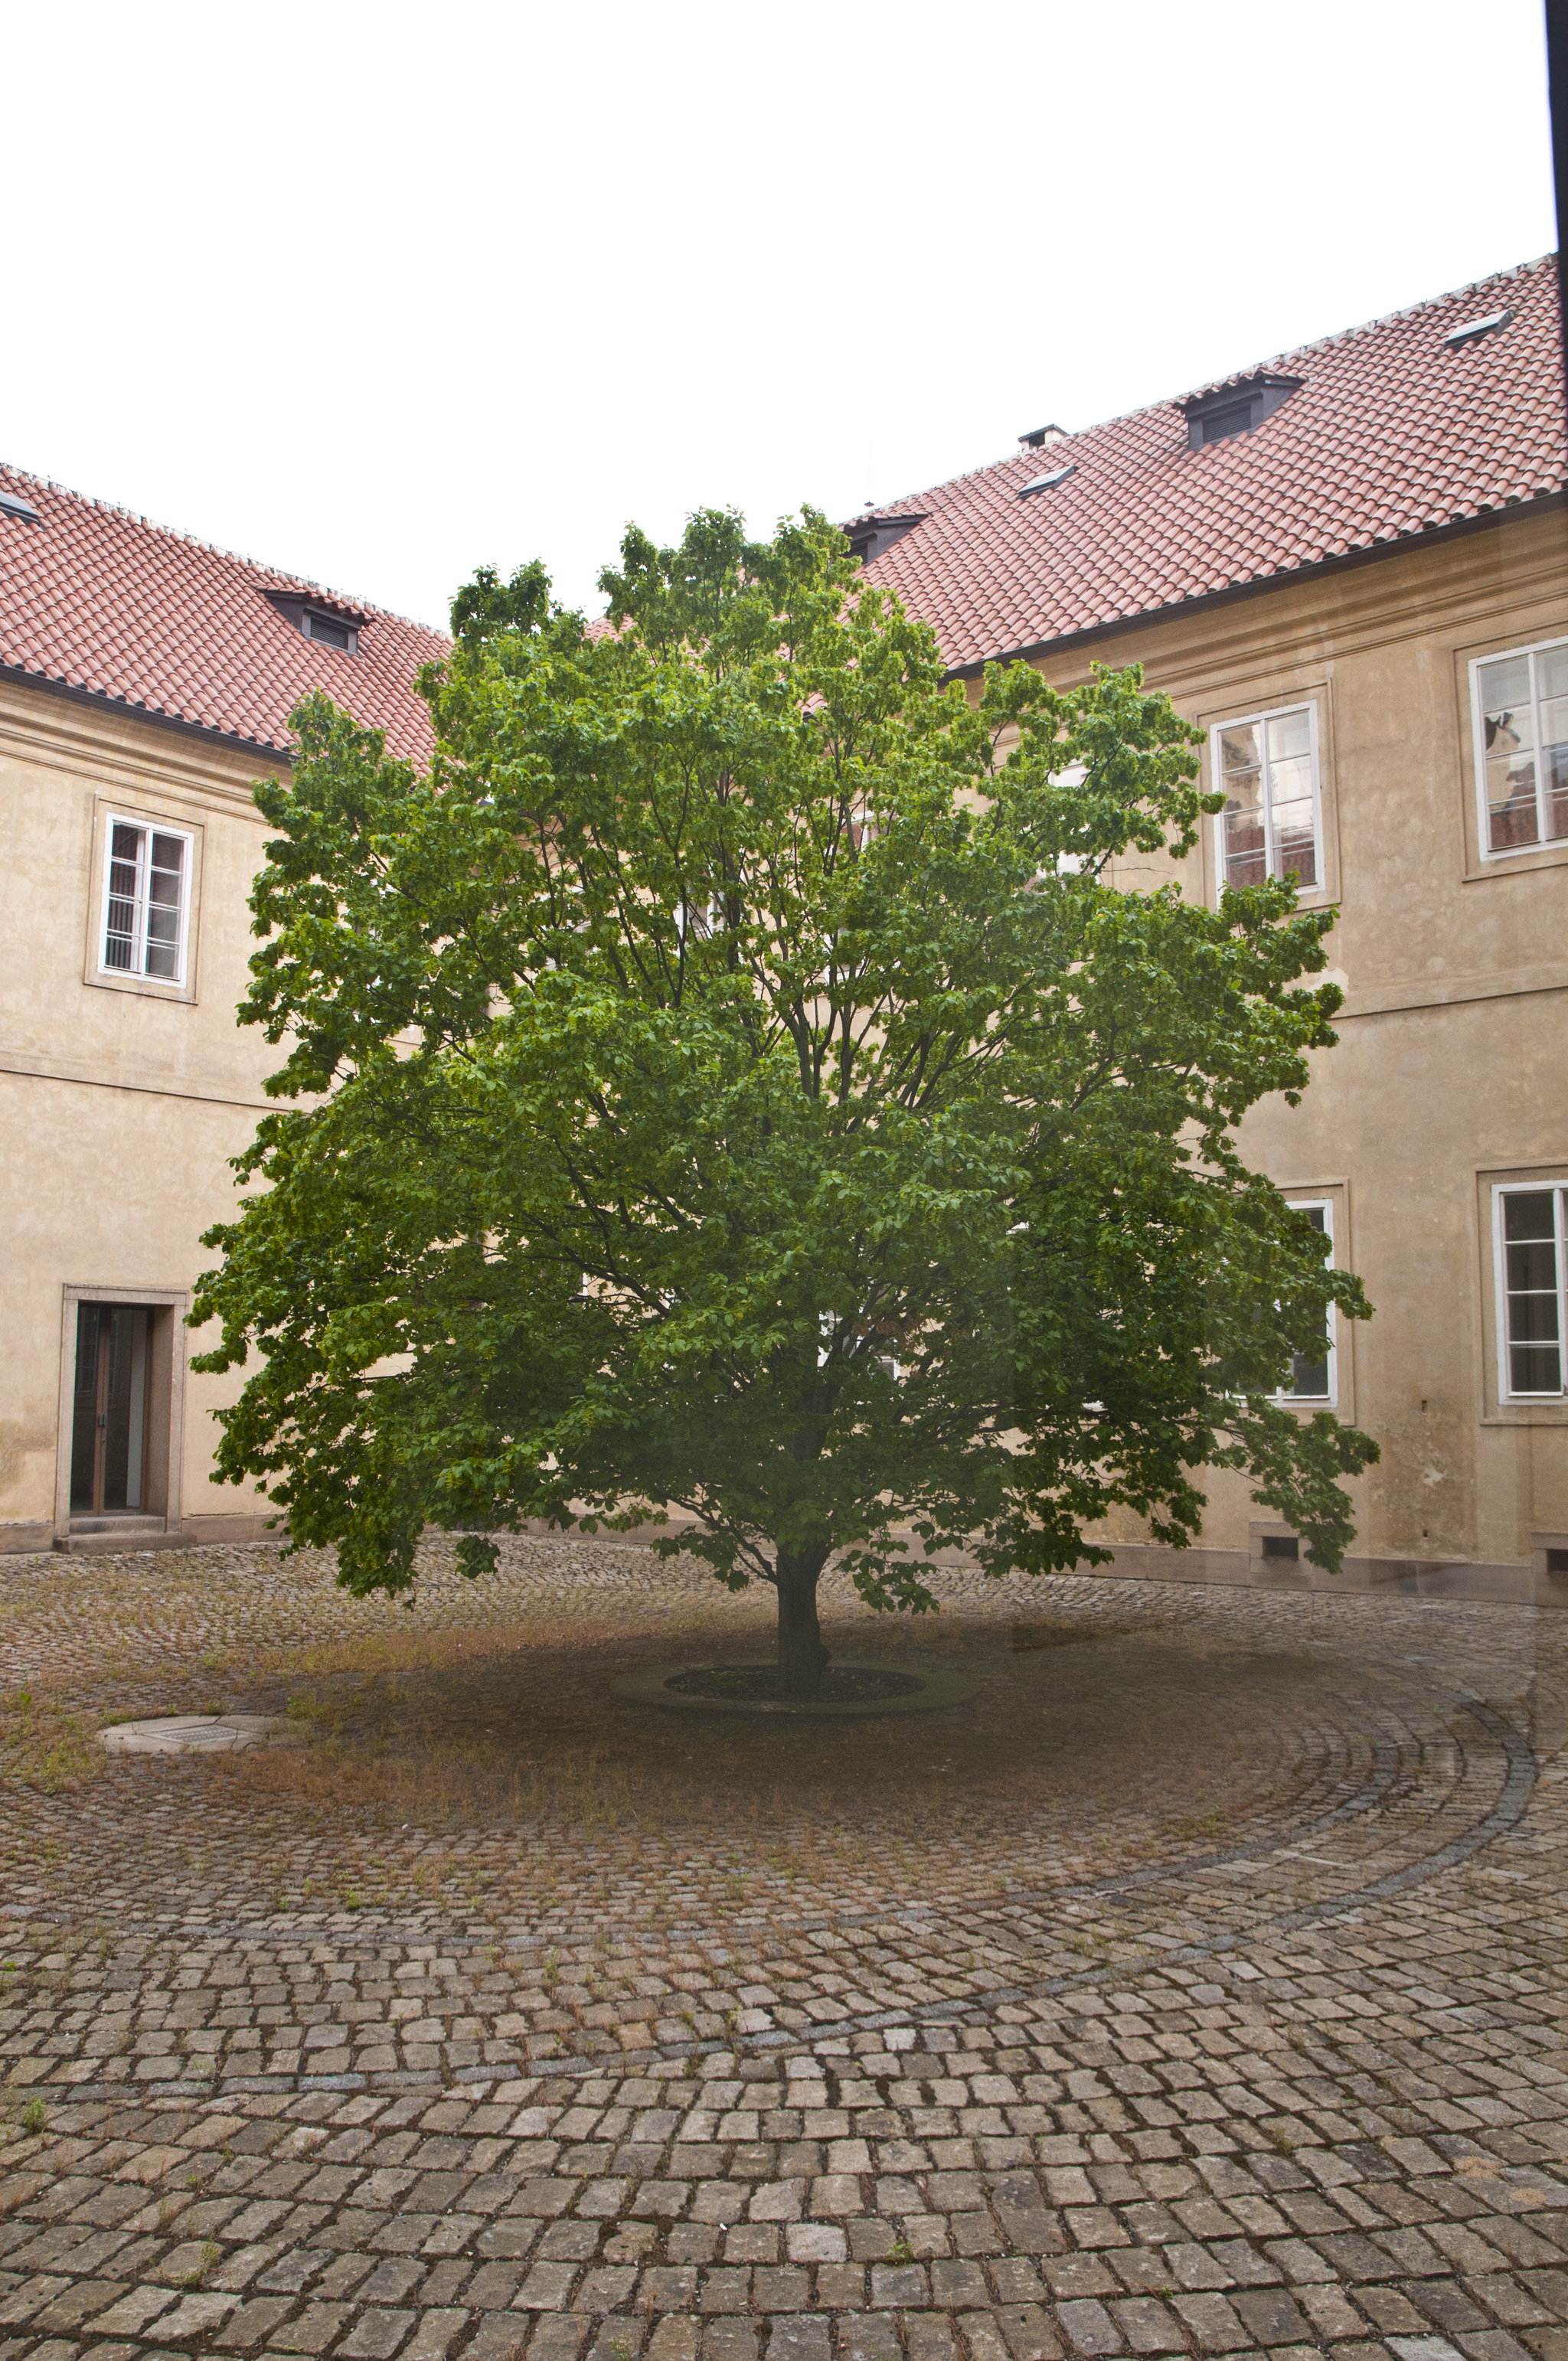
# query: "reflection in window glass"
1270, 826
1523, 707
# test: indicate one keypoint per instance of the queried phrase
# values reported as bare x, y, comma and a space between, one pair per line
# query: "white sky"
382, 293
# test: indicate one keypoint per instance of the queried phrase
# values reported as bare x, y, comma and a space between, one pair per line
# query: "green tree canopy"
727, 1083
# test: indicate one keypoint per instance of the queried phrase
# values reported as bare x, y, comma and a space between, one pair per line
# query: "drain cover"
192, 1733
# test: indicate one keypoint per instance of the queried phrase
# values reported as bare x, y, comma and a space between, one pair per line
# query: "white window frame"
1543, 843
1329, 1401
147, 830
1501, 1190
1309, 706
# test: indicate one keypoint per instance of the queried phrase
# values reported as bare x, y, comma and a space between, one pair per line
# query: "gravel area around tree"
1194, 1988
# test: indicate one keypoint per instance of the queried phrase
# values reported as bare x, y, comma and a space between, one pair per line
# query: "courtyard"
1193, 1987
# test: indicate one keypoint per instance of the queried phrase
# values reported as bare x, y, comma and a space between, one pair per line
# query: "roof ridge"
216, 549
1144, 409
1342, 335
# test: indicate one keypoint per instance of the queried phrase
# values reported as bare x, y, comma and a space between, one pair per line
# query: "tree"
729, 1083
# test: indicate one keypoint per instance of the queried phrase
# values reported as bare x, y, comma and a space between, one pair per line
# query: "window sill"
145, 987
1481, 867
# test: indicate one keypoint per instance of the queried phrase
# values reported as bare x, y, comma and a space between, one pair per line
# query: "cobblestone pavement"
1075, 2055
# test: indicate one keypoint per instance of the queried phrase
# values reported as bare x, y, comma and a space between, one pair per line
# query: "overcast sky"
380, 294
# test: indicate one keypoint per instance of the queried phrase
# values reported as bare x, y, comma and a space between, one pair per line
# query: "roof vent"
1038, 434
1468, 330
12, 504
1239, 408
1044, 483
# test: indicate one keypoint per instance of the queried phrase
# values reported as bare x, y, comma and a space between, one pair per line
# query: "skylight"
15, 505
1044, 483
1468, 330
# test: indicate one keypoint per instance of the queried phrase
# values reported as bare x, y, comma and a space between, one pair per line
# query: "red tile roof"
1392, 433
98, 600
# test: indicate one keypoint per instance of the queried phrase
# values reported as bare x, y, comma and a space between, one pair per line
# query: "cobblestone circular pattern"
1199, 1992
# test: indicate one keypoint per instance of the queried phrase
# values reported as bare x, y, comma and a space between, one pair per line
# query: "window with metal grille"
1533, 1289
1272, 824
1521, 704
146, 894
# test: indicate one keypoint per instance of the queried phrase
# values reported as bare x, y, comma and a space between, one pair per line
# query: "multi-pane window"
147, 894
1521, 728
1532, 1283
1271, 825
1313, 1376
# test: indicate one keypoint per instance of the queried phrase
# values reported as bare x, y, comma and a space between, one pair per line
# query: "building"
1350, 567
145, 680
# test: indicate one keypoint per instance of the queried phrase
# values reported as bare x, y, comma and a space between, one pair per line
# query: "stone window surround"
1493, 1409
141, 813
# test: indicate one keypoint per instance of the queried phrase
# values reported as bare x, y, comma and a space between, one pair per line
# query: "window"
1314, 1381
1272, 823
1521, 704
1236, 408
147, 902
1532, 1273
328, 630
1221, 425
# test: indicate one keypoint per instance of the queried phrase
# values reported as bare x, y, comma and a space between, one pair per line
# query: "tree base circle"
848, 1689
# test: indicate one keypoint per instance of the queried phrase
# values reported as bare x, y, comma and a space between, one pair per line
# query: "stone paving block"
1089, 2327
132, 2314
672, 2340
378, 2332
195, 2315
958, 2285
618, 2338
252, 2326
867, 2336
729, 2338
558, 2339
437, 2332
311, 2331
1148, 2325
497, 2336
546, 2287
1027, 2332
816, 2242
1212, 2322
1271, 2316
805, 2338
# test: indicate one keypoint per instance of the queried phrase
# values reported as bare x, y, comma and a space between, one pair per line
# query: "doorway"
110, 1429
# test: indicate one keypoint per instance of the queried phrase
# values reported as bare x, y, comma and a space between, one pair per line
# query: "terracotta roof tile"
94, 597
1392, 432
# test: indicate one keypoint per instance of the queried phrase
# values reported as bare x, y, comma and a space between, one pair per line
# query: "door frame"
165, 1398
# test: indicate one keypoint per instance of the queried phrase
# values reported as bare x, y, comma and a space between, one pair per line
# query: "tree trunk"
802, 1659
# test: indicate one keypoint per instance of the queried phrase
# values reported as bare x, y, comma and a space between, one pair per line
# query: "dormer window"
869, 536
319, 618
1237, 409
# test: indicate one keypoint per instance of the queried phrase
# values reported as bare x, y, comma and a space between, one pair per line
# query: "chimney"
1038, 436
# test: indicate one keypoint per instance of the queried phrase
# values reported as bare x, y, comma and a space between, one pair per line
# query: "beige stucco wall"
1453, 1061
120, 1103
119, 1106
